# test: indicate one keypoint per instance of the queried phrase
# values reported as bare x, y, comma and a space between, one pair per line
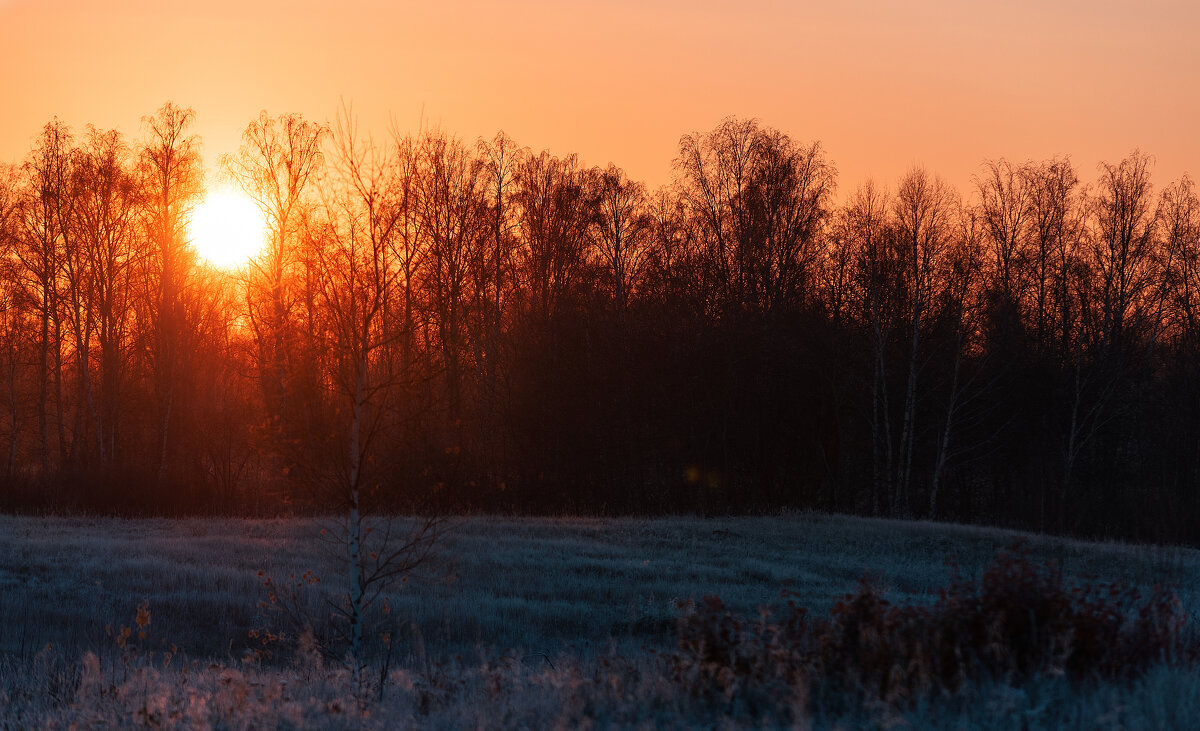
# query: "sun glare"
227, 228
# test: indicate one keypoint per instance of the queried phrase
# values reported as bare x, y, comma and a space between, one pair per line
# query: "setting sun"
227, 228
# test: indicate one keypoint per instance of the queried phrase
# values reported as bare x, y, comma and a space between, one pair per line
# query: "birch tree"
1122, 247
866, 227
496, 278
1005, 211
171, 176
45, 208
620, 231
454, 216
355, 284
278, 159
959, 308
107, 220
922, 209
1054, 224
14, 310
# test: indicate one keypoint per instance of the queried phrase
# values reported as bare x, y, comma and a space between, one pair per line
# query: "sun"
227, 228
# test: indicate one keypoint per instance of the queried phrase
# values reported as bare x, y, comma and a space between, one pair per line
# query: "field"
518, 622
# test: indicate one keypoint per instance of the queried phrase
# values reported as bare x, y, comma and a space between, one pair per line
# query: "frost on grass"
570, 623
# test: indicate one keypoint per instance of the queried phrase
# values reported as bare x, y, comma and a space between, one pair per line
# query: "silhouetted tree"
620, 231
923, 207
348, 248
761, 200
46, 206
15, 310
277, 160
455, 221
480, 326
1122, 250
171, 178
102, 270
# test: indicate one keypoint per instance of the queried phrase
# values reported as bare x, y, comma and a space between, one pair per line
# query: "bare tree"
790, 193
866, 227
1179, 218
14, 307
9, 199
835, 270
454, 216
673, 251
715, 171
408, 243
355, 283
42, 246
500, 157
762, 200
552, 197
171, 178
102, 270
1005, 210
1122, 248
620, 231
959, 308
278, 158
1051, 187
923, 207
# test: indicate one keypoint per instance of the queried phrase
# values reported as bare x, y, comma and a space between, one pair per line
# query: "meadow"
518, 622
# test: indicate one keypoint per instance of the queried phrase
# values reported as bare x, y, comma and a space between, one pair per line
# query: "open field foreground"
568, 622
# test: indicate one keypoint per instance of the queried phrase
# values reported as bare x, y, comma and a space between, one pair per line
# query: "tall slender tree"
171, 177
278, 159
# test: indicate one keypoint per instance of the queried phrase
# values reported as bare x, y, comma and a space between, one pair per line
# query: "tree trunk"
944, 444
908, 429
354, 532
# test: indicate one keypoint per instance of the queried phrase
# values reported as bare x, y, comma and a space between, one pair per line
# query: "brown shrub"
1019, 620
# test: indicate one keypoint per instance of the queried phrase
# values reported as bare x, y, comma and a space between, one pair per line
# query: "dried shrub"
728, 660
1021, 619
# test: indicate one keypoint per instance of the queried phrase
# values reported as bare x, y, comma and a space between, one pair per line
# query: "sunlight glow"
227, 228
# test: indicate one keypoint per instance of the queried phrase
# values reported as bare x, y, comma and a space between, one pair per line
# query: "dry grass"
523, 622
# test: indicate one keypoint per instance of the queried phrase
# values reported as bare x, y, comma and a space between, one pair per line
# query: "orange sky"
945, 83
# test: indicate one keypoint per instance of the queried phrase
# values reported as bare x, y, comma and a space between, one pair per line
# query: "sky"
883, 86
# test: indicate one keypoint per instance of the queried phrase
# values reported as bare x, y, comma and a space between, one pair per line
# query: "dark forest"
459, 326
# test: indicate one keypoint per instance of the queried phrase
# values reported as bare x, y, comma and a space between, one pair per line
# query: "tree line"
485, 327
